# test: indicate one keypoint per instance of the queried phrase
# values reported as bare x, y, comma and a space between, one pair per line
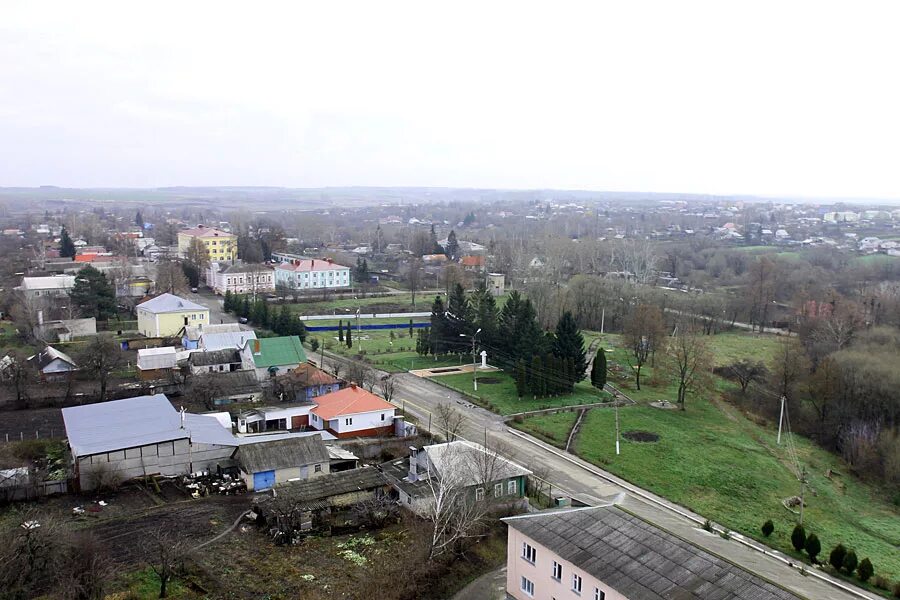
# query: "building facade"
352, 412
167, 314
240, 279
220, 245
303, 274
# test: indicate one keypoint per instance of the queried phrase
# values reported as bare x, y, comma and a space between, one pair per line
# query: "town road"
572, 477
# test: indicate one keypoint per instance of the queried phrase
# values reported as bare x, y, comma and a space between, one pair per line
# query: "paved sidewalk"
491, 586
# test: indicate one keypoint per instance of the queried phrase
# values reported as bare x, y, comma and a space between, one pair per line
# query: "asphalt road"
572, 477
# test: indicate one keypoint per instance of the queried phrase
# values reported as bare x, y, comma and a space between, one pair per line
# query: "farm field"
716, 461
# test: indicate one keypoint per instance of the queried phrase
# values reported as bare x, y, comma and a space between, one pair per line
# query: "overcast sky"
779, 98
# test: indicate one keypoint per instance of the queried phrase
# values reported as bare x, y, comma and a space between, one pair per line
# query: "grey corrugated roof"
48, 355
193, 332
334, 484
222, 341
282, 454
108, 426
469, 463
214, 357
639, 560
167, 303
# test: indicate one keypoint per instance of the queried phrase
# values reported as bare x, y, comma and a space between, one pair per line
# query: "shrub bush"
836, 559
896, 591
882, 582
865, 570
768, 527
850, 562
798, 538
813, 547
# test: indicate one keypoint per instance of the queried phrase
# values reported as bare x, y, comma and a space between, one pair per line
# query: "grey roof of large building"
282, 454
168, 303
640, 560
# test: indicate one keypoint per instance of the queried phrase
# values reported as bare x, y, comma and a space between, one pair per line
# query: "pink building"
606, 553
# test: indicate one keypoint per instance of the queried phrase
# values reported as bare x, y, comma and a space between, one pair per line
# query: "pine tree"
341, 331
865, 570
245, 307
598, 369
458, 320
66, 245
569, 343
798, 538
433, 242
836, 558
813, 547
228, 301
410, 328
349, 336
850, 562
439, 327
536, 376
139, 219
93, 294
521, 384
283, 322
451, 250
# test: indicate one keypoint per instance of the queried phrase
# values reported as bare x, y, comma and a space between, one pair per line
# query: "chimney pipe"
413, 474
352, 385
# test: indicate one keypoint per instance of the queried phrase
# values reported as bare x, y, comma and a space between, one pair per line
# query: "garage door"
263, 480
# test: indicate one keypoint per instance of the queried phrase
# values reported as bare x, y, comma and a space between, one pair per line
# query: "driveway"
490, 586
214, 303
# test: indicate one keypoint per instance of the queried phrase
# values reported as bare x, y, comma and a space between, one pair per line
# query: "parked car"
193, 290
242, 320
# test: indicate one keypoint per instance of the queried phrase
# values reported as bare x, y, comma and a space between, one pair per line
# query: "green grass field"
502, 398
716, 461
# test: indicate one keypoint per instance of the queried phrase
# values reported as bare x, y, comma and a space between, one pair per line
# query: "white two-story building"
303, 274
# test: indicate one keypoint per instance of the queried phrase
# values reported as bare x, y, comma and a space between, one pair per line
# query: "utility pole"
802, 491
780, 420
602, 319
617, 425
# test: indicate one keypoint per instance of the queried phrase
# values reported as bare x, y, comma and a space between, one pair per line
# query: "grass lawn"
714, 460
348, 306
501, 397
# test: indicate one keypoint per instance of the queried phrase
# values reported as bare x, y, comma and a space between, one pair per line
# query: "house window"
479, 494
382, 416
576, 583
527, 586
528, 552
557, 571
348, 421
318, 468
498, 490
511, 487
599, 594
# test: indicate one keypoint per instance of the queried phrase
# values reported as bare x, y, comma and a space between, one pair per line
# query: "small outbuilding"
54, 365
266, 464
156, 363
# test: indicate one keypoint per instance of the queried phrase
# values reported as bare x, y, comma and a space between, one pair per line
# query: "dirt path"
575, 428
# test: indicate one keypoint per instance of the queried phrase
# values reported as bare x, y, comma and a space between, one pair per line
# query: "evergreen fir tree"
598, 369
139, 219
227, 302
451, 250
410, 328
569, 343
439, 327
245, 307
66, 245
341, 331
536, 377
521, 384
349, 336
93, 294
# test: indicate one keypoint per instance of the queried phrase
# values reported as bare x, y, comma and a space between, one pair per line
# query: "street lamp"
474, 365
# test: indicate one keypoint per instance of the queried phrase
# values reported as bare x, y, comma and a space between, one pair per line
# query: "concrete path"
490, 586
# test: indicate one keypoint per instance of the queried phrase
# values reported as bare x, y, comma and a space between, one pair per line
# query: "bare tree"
361, 374
170, 278
206, 388
644, 333
375, 511
86, 570
761, 290
387, 386
746, 372
99, 357
449, 420
455, 507
165, 552
791, 365
690, 360
31, 553
16, 375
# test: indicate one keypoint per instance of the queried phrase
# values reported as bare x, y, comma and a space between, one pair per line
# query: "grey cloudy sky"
795, 98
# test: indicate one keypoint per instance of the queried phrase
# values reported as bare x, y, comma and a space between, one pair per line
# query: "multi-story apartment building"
303, 274
220, 245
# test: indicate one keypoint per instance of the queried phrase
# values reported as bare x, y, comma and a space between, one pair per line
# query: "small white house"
156, 363
353, 412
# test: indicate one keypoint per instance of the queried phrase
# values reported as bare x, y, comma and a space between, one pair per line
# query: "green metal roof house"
273, 356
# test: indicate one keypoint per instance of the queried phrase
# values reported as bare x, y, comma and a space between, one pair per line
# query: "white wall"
362, 421
541, 574
176, 457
